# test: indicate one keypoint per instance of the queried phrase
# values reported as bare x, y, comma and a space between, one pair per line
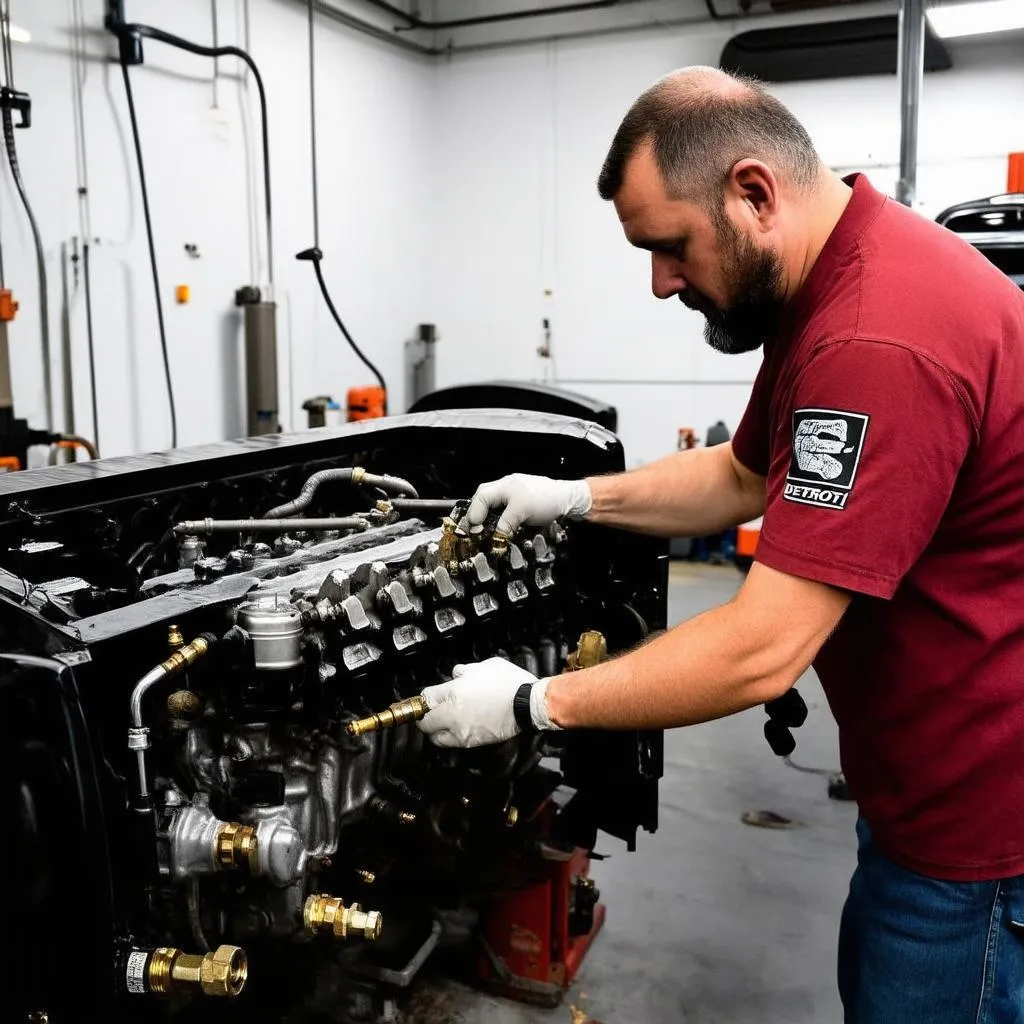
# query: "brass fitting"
237, 847
329, 914
184, 705
174, 638
365, 876
448, 545
220, 973
591, 650
185, 656
500, 542
511, 817
396, 714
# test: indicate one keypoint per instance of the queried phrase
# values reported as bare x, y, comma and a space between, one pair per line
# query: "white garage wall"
459, 190
521, 235
375, 107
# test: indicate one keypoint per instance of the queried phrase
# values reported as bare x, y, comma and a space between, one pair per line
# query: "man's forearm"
684, 495
697, 672
736, 656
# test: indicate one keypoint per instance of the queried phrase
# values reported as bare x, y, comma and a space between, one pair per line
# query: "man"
884, 444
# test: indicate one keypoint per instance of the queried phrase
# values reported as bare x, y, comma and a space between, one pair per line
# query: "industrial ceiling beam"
414, 21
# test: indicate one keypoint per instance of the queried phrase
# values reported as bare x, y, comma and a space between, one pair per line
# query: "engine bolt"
174, 638
511, 817
367, 877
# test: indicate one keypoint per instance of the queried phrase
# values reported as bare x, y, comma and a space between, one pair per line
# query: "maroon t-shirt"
888, 418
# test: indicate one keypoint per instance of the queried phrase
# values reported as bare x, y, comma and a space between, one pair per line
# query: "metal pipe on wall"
911, 76
260, 329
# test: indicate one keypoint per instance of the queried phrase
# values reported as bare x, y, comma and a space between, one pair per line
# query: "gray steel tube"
154, 675
911, 75
6, 393
201, 526
428, 506
261, 368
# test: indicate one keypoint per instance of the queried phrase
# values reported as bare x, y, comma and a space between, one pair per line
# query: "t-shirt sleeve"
750, 442
868, 446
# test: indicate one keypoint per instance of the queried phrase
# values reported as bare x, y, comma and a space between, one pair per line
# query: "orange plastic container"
747, 537
1015, 173
367, 403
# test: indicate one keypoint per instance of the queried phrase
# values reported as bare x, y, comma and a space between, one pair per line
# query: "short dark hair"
698, 133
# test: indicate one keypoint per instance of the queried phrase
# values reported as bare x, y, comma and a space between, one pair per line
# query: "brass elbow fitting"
398, 713
238, 848
591, 650
220, 973
329, 914
185, 656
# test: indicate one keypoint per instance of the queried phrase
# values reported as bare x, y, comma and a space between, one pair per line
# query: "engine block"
212, 662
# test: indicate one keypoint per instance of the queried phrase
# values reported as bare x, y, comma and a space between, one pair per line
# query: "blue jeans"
915, 950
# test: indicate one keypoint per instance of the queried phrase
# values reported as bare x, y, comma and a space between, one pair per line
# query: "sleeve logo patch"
827, 444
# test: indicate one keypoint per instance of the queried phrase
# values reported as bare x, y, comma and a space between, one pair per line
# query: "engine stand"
534, 942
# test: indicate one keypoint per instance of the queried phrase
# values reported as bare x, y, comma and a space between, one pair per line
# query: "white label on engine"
135, 972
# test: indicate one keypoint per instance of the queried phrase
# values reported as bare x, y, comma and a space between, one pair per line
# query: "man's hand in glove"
530, 501
476, 707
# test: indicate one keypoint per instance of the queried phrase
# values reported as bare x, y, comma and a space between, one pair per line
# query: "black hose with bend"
158, 35
153, 266
37, 241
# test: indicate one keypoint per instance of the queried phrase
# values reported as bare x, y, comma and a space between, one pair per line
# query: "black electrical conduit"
126, 33
37, 240
87, 282
152, 253
158, 35
313, 254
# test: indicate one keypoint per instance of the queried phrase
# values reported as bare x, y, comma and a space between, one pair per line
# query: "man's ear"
754, 189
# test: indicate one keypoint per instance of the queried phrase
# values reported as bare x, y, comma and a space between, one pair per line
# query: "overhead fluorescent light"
975, 19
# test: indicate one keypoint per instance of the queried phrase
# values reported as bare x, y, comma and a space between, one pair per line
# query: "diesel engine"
214, 799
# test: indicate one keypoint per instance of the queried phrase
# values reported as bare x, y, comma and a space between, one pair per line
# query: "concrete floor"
713, 921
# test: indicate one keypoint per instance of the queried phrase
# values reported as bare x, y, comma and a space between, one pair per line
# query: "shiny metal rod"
203, 526
911, 75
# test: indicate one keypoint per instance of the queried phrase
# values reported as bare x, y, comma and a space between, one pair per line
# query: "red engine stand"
530, 953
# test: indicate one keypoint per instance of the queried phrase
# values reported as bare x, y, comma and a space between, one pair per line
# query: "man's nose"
666, 280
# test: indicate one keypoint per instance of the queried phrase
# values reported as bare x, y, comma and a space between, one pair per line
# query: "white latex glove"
530, 501
475, 708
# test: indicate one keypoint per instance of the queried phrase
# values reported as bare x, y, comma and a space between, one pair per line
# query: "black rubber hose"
315, 256
152, 253
149, 32
37, 240
83, 442
87, 283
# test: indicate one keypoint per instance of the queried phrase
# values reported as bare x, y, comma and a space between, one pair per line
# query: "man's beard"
754, 290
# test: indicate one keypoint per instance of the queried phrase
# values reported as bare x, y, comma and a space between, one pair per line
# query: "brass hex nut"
224, 971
